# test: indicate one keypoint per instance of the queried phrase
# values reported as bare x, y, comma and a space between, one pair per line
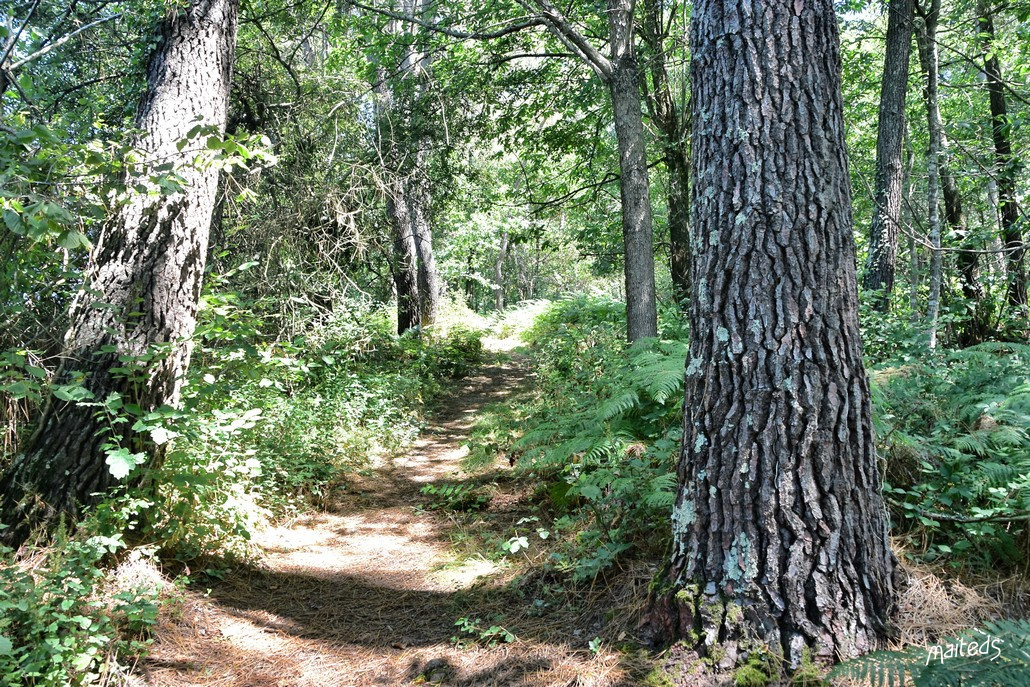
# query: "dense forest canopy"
767, 260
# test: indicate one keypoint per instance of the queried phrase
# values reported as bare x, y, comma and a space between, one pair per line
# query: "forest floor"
369, 591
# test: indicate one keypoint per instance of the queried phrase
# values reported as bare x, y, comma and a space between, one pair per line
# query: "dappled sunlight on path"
368, 593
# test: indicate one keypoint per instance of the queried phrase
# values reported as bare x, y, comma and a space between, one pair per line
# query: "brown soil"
368, 592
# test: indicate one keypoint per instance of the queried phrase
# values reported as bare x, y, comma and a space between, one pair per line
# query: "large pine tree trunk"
637, 223
1007, 165
890, 137
779, 527
143, 283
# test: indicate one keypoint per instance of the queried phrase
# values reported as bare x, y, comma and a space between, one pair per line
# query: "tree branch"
453, 33
61, 41
565, 32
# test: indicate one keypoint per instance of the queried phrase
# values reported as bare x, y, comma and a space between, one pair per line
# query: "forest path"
368, 592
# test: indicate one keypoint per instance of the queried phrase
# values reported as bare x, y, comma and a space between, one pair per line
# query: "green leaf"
13, 221
72, 392
6, 646
121, 462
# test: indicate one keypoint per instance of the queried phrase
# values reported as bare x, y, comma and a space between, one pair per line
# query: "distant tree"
779, 527
620, 72
139, 301
1005, 162
890, 138
673, 121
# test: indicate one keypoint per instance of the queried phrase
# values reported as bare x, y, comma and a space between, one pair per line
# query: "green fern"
1001, 659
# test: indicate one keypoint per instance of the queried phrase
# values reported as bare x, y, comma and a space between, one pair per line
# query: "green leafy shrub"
57, 627
271, 426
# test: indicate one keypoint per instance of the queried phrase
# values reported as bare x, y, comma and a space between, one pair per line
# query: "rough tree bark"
890, 138
1006, 163
142, 285
675, 135
779, 527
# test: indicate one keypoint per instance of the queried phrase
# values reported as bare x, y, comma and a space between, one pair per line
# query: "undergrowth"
954, 433
269, 427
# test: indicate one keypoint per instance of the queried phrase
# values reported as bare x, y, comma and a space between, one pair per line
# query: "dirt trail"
368, 592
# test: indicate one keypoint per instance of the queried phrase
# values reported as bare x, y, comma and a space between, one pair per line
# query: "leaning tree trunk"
926, 40
890, 138
405, 258
779, 529
142, 288
637, 223
1012, 234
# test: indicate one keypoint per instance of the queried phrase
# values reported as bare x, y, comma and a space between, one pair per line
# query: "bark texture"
143, 283
1006, 164
637, 223
779, 528
890, 138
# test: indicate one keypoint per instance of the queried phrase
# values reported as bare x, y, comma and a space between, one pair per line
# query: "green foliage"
996, 656
955, 432
475, 631
604, 432
56, 627
272, 426
459, 496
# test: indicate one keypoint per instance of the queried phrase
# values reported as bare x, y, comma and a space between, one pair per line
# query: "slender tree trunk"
143, 283
675, 134
926, 40
779, 530
421, 228
405, 259
1007, 164
913, 248
890, 137
637, 223
502, 252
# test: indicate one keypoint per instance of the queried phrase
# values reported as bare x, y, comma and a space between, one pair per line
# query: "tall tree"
926, 41
944, 185
620, 72
890, 138
141, 291
1006, 163
406, 143
779, 528
673, 123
